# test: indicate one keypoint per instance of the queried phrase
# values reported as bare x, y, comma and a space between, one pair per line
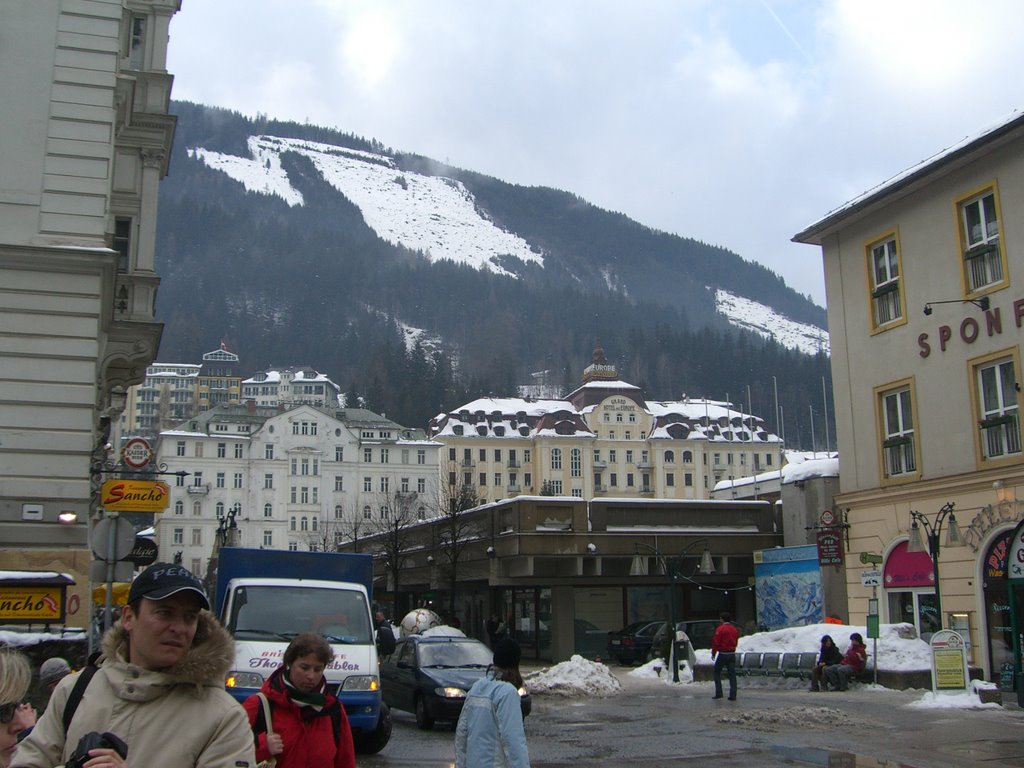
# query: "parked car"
634, 643
430, 676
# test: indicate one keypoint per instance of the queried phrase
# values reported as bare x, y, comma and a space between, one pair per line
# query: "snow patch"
765, 321
575, 677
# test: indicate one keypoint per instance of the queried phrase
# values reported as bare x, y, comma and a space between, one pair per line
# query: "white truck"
266, 597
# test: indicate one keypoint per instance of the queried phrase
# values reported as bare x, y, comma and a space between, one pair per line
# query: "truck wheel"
373, 742
423, 719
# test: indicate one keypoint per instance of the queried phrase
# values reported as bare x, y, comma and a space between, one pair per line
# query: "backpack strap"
75, 698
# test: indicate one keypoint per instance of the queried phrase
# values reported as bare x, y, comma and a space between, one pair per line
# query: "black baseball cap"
162, 580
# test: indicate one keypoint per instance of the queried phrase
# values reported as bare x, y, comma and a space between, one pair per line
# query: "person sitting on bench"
852, 664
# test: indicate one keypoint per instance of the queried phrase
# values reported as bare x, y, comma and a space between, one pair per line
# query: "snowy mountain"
417, 285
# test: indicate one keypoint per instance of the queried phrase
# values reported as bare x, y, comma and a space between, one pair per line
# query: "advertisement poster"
788, 586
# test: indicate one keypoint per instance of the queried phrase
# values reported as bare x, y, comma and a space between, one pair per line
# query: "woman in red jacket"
309, 728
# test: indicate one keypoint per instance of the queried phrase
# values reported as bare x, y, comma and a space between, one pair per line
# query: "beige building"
604, 440
86, 139
926, 332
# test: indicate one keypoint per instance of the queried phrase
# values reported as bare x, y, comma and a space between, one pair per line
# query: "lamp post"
934, 533
671, 566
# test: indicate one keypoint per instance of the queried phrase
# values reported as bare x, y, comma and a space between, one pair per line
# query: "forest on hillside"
314, 285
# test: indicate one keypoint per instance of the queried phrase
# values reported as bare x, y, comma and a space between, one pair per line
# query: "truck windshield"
281, 613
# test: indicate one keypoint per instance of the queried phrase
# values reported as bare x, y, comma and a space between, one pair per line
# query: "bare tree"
392, 529
455, 531
327, 535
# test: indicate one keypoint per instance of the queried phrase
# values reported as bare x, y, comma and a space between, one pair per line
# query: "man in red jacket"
723, 651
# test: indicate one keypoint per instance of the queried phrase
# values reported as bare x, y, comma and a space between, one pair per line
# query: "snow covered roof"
810, 469
969, 144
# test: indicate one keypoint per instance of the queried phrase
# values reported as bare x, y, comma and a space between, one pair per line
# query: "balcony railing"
600, 464
199, 489
513, 464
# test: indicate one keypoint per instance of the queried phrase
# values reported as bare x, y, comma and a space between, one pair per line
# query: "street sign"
135, 496
144, 552
871, 578
136, 452
99, 572
123, 538
870, 558
830, 547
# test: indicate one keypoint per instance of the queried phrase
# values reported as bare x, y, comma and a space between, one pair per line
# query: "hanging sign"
135, 496
830, 547
137, 452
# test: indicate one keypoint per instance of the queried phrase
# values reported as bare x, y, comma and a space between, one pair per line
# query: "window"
237, 480
526, 455
629, 457
197, 479
339, 512
688, 479
614, 480
384, 455
179, 448
292, 523
497, 454
199, 450
383, 512
556, 458
421, 513
898, 443
979, 232
577, 493
576, 462
451, 454
421, 485
884, 278
303, 523
618, 417
628, 435
385, 484
197, 537
367, 514
197, 509
497, 479
611, 456
179, 535
339, 483
597, 455
268, 510
404, 485
629, 479
997, 401
220, 479
483, 479
137, 43
222, 450
367, 455
294, 495
483, 454
451, 478
670, 479
123, 242
304, 495
405, 455
268, 539
556, 487
268, 451
179, 481
367, 484
268, 481
339, 453
179, 507
238, 450
687, 457
421, 455
295, 466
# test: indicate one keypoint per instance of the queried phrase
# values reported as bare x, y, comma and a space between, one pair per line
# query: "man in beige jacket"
159, 687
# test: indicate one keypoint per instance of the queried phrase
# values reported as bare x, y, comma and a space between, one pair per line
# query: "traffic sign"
137, 452
144, 552
871, 578
123, 534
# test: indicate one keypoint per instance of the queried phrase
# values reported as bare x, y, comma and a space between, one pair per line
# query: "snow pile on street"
898, 648
657, 669
790, 717
575, 677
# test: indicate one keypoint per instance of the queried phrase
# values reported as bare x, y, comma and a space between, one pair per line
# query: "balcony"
646, 490
199, 490
513, 464
645, 464
600, 488
512, 487
600, 464
467, 463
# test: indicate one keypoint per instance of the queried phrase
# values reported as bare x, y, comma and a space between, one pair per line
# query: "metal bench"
770, 665
750, 664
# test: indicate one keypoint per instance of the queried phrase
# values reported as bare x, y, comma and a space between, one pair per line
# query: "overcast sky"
735, 122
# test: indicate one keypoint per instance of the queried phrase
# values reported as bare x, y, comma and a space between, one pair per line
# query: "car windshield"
281, 613
454, 654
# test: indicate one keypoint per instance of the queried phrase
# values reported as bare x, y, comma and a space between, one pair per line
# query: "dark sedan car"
431, 675
635, 642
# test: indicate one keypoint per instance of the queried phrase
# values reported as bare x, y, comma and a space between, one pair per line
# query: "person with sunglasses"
15, 715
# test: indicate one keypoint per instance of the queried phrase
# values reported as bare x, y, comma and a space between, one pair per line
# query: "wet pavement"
774, 723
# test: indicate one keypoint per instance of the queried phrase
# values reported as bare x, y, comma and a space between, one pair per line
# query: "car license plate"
616, 642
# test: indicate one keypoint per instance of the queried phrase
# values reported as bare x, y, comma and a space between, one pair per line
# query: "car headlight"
361, 683
450, 693
237, 678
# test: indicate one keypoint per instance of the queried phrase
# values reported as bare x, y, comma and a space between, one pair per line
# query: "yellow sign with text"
135, 496
32, 604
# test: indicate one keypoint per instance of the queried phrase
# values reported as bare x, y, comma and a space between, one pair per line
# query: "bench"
797, 665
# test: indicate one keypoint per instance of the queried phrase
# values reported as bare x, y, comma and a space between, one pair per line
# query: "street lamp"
671, 566
934, 533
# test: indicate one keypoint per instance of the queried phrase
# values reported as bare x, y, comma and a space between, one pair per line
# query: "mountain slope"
302, 244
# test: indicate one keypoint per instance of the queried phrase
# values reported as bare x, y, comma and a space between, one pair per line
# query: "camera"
94, 740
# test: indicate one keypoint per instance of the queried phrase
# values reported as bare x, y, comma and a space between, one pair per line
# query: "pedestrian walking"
15, 714
723, 651
490, 730
308, 727
157, 689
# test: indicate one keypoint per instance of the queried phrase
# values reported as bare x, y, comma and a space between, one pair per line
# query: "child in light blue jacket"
490, 732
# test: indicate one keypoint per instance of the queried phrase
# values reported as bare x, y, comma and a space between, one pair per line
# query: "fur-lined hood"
208, 661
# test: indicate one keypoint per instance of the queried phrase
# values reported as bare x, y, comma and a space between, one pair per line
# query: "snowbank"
575, 677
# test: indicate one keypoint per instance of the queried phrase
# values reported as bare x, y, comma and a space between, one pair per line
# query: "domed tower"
599, 369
